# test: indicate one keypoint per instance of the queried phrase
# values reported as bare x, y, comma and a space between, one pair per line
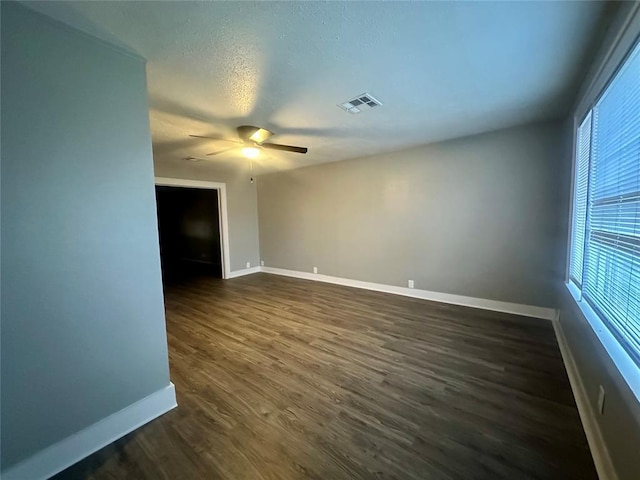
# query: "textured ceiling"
442, 69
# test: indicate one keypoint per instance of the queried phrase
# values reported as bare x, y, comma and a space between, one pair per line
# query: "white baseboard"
494, 305
597, 445
66, 452
245, 271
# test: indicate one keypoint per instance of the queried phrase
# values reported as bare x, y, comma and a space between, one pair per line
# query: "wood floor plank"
280, 378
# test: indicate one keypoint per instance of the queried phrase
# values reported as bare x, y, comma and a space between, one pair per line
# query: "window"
583, 151
605, 240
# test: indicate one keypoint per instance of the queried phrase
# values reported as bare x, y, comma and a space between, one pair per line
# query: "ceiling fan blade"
221, 151
217, 138
285, 148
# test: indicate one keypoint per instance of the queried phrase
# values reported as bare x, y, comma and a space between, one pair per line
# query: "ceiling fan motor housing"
257, 135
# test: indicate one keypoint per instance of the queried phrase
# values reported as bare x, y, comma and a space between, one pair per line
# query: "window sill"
621, 359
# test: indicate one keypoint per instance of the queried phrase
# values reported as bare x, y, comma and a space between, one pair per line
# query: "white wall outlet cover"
262, 263
315, 269
248, 264
410, 283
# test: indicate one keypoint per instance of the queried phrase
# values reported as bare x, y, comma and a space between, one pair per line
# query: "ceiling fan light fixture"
250, 152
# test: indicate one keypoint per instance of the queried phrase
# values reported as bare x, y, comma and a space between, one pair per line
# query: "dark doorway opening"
189, 231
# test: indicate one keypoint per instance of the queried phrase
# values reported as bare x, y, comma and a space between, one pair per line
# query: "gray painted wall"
242, 206
83, 332
620, 422
475, 216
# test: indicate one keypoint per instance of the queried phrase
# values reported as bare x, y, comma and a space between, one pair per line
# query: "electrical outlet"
248, 264
410, 283
315, 269
262, 263
601, 397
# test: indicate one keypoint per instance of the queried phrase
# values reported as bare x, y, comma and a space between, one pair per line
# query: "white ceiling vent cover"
356, 104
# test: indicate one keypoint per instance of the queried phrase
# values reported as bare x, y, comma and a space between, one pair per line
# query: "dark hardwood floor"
280, 378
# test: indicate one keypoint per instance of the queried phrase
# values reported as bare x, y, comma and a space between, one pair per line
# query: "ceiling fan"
251, 140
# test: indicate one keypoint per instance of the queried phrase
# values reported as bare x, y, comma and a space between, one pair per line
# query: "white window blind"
581, 183
611, 263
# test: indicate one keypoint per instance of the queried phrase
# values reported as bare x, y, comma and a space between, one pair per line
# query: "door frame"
223, 218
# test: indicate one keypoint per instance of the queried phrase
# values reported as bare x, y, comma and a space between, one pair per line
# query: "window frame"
626, 361
573, 218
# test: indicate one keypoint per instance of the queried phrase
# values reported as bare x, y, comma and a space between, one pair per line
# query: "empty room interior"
323, 240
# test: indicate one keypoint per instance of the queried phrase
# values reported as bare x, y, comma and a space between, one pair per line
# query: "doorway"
192, 229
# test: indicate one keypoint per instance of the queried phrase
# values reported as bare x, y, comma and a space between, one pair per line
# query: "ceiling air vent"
357, 104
